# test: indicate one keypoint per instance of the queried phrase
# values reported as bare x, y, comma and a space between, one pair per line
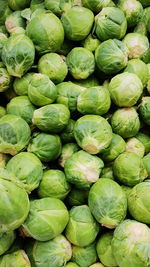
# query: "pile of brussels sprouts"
74, 133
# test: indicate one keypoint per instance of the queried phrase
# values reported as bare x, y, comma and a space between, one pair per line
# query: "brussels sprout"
77, 197
81, 63
82, 228
4, 11
22, 107
67, 135
111, 56
83, 169
18, 54
18, 4
27, 168
47, 219
3, 40
129, 169
107, 172
125, 89
90, 43
91, 81
54, 184
130, 244
139, 68
51, 34
17, 258
144, 109
146, 161
137, 44
21, 85
125, 122
126, 189
77, 22
54, 66
14, 203
141, 28
84, 256
67, 151
110, 23
6, 240
15, 23
14, 134
5, 79
138, 202
68, 93
41, 90
117, 146
104, 249
94, 100
55, 252
96, 5
145, 140
52, 118
133, 11
93, 133
37, 4
46, 147
135, 146
108, 206
53, 6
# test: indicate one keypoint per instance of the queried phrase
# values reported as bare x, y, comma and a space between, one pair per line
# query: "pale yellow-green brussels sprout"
15, 23
17, 258
5, 79
144, 138
67, 151
135, 146
91, 43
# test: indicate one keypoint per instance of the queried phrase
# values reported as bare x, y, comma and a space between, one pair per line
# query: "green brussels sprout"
107, 202
139, 68
133, 11
82, 228
18, 54
83, 169
46, 147
144, 109
47, 219
110, 23
77, 23
14, 134
96, 5
53, 6
4, 11
55, 252
67, 135
54, 184
21, 85
17, 258
92, 133
81, 63
27, 168
146, 161
14, 203
104, 249
2, 111
51, 34
139, 202
90, 43
77, 197
107, 172
3, 40
145, 140
54, 66
15, 23
22, 107
94, 100
52, 118
111, 56
125, 122
125, 89
37, 4
68, 93
137, 44
135, 146
41, 91
84, 256
141, 28
91, 81
5, 79
18, 4
126, 189
130, 244
67, 151
6, 240
117, 146
129, 169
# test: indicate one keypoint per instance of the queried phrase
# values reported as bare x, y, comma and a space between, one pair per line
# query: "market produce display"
74, 133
